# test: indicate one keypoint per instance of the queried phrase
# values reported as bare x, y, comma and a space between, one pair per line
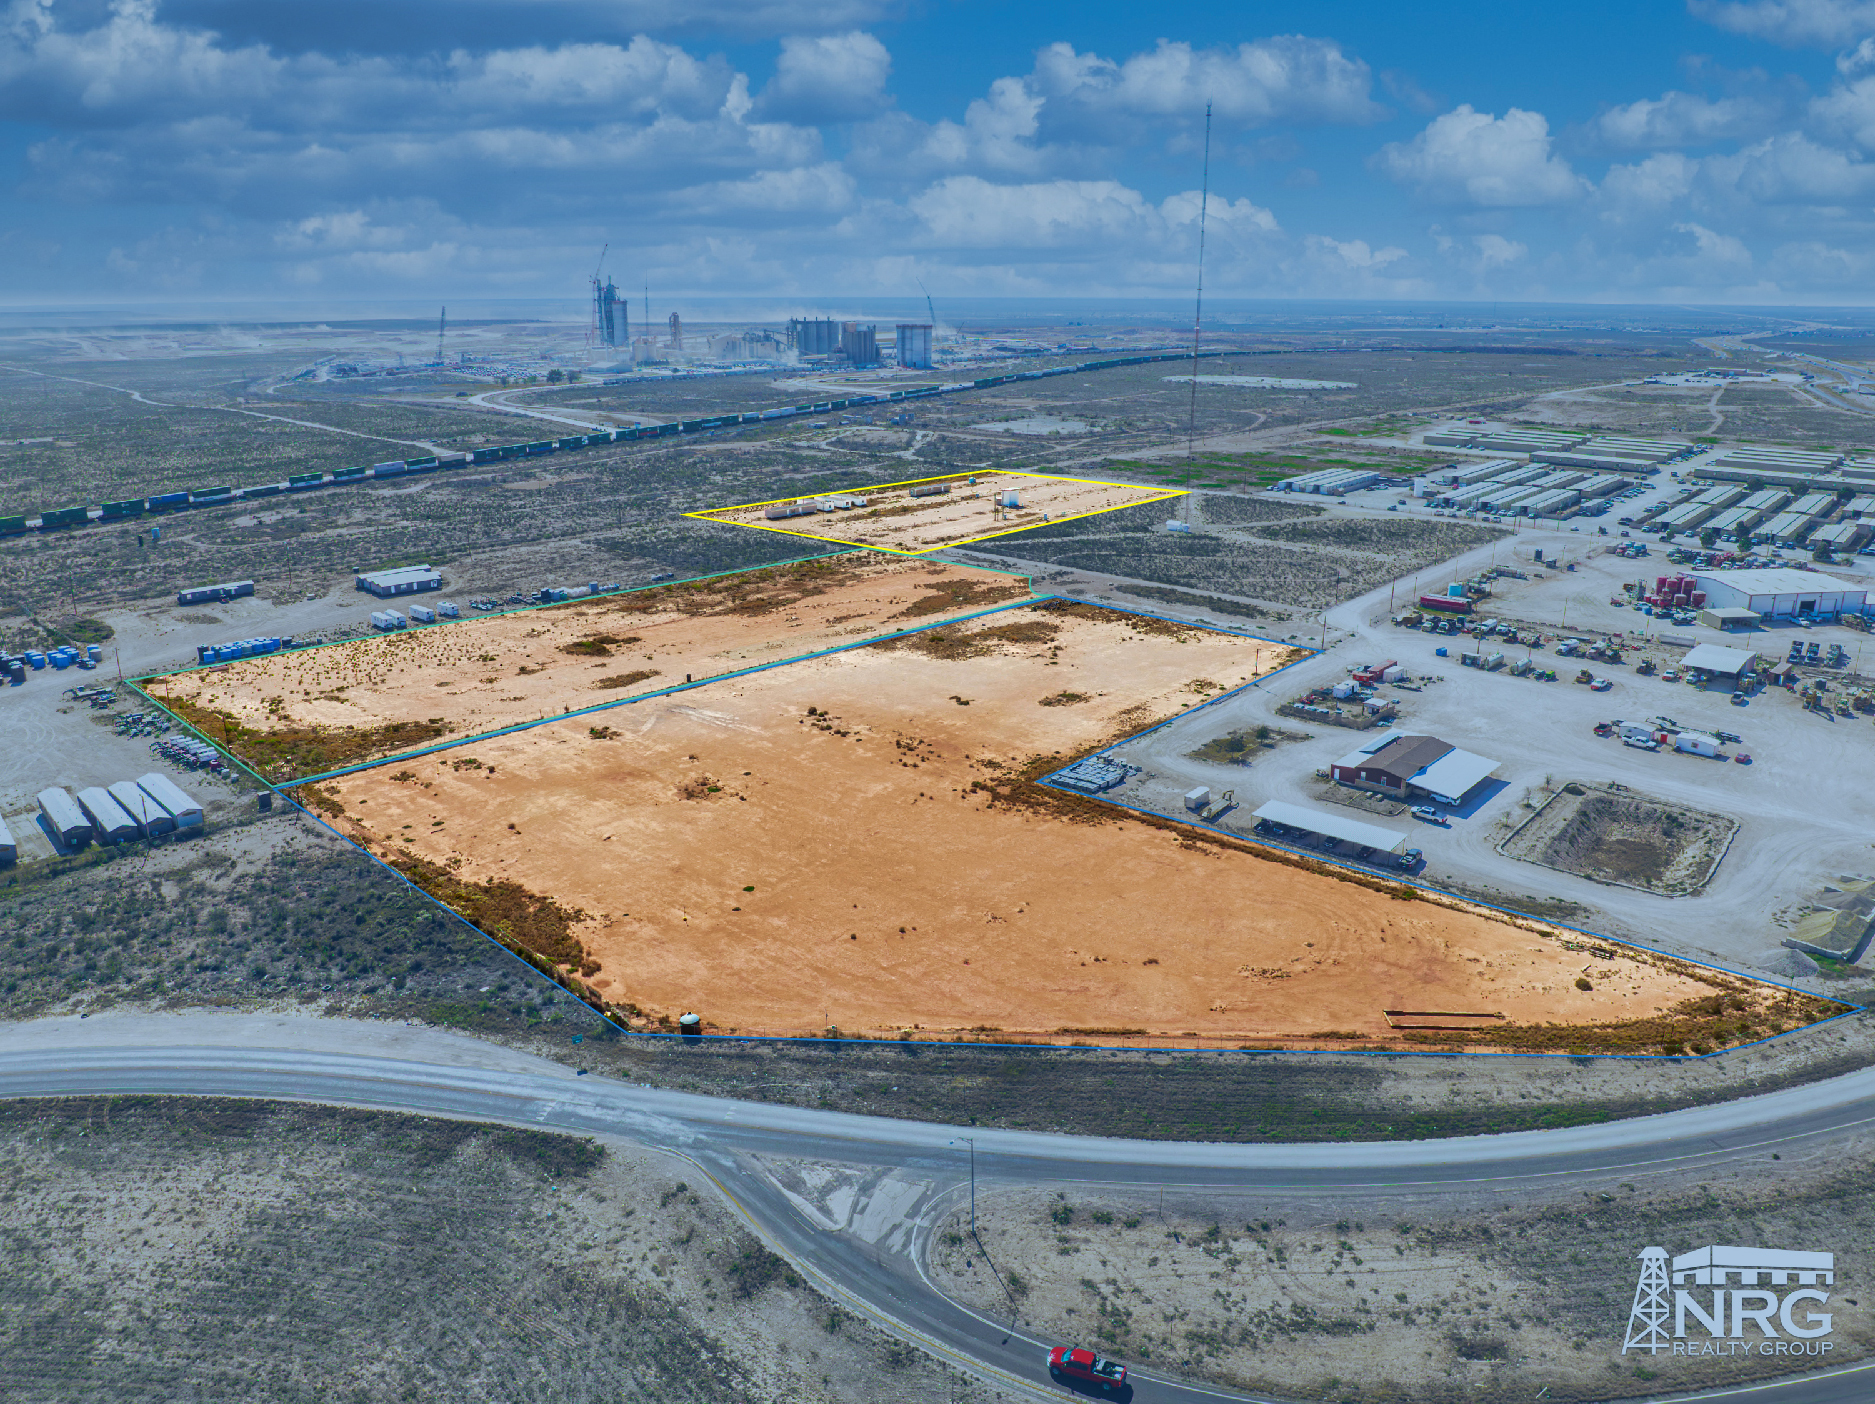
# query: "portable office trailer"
9, 849
159, 787
110, 823
64, 818
150, 816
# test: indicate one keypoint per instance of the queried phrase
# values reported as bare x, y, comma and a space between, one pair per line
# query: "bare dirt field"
298, 714
971, 510
1614, 834
851, 842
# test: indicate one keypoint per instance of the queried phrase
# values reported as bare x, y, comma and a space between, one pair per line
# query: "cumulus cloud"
834, 78
1472, 157
1792, 169
970, 212
1823, 24
1682, 119
1291, 79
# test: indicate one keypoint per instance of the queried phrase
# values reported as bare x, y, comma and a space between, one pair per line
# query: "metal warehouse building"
1781, 592
407, 581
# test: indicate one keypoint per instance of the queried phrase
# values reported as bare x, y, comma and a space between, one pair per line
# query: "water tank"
1455, 590
94, 653
690, 1025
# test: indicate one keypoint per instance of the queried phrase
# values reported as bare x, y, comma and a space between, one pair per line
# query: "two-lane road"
433, 1073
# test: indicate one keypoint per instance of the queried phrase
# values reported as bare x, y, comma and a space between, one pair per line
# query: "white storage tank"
423, 614
159, 787
151, 817
64, 818
109, 823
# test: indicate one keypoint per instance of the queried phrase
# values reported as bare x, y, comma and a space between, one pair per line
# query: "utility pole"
971, 1141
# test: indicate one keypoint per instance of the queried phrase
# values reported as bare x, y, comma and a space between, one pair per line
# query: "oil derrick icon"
1647, 1318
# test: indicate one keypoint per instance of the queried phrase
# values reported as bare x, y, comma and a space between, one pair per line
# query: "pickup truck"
1082, 1366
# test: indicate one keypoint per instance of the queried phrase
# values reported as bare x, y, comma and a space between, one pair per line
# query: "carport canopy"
1712, 658
1333, 826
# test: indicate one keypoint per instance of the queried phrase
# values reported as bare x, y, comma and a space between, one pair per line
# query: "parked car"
1600, 685
1428, 813
1742, 758
1082, 1366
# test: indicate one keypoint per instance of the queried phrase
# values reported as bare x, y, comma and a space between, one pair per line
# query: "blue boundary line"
661, 692
1169, 1049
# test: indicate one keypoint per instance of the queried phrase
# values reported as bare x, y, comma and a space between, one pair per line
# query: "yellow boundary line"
709, 514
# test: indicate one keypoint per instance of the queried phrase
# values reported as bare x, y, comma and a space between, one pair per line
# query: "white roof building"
1781, 591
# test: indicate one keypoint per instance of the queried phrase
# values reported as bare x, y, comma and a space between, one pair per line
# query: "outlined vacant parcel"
933, 513
855, 840
292, 715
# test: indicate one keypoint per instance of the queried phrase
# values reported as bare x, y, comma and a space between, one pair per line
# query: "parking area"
53, 739
1806, 816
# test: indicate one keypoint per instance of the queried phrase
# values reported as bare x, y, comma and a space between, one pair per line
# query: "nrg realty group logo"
1784, 1323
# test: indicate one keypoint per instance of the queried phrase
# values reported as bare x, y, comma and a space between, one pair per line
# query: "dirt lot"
894, 520
1439, 1294
692, 860
186, 1248
1614, 834
303, 713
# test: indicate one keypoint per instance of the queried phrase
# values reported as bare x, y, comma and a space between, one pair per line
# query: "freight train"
60, 518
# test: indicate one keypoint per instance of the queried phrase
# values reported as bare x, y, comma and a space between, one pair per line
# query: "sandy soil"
810, 846
484, 674
896, 521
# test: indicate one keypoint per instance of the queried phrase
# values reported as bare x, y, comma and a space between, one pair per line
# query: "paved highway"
916, 1170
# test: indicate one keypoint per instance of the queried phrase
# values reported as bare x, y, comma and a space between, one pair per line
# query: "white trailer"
9, 850
63, 817
159, 787
109, 822
151, 817
1697, 743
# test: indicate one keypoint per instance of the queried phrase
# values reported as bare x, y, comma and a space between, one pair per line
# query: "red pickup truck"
1084, 1367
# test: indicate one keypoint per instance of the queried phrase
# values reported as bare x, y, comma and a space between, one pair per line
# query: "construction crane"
929, 309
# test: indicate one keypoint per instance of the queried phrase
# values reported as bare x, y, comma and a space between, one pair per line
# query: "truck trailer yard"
1803, 813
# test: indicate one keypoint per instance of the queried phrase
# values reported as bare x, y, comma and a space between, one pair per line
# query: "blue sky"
1706, 151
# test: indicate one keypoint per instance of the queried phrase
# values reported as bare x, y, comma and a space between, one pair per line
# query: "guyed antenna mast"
1197, 316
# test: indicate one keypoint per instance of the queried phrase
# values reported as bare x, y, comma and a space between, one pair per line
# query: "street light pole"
971, 1141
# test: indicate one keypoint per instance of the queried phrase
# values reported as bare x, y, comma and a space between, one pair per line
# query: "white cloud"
1657, 181
1681, 119
834, 78
1822, 24
1477, 158
1792, 169
1352, 253
1290, 78
969, 212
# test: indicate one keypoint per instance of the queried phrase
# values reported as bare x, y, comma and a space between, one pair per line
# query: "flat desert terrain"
894, 520
845, 842
298, 714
